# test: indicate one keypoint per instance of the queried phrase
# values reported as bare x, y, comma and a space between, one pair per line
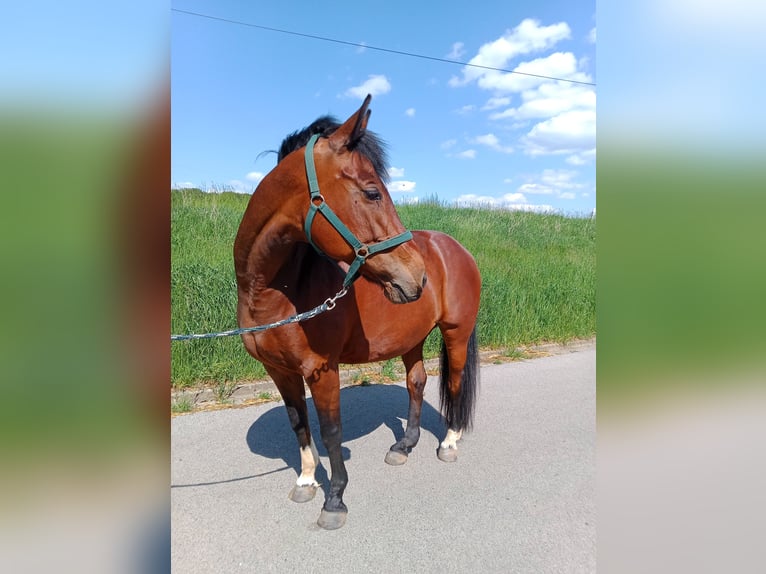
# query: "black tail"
458, 411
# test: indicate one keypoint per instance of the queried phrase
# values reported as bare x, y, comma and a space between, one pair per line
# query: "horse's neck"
268, 246
266, 242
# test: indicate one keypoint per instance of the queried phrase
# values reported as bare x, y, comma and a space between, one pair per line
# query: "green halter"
318, 204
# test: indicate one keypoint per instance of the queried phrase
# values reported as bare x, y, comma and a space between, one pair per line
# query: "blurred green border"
681, 269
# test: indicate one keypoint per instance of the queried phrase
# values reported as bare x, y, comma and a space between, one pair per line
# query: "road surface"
520, 498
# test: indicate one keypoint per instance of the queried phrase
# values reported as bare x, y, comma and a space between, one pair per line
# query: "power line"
368, 47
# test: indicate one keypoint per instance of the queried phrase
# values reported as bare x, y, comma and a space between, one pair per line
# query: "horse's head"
348, 183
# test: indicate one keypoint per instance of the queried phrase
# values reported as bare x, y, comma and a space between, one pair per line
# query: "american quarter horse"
323, 211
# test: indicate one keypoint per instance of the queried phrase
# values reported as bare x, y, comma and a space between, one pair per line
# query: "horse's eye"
372, 194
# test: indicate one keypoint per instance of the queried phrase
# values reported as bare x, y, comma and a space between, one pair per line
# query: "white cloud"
496, 102
569, 132
491, 141
557, 65
396, 171
467, 109
536, 189
576, 159
402, 186
247, 185
509, 201
561, 183
375, 85
488, 140
592, 35
527, 37
557, 116
514, 198
457, 51
549, 99
561, 178
409, 112
235, 185
567, 120
448, 144
582, 158
467, 154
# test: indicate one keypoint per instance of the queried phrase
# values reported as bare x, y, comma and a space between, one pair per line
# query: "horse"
324, 210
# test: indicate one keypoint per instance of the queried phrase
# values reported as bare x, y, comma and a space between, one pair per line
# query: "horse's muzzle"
399, 293
401, 272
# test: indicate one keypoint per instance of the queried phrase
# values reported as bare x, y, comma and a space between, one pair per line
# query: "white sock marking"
309, 460
451, 439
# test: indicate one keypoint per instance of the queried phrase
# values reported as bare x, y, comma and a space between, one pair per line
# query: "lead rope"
328, 305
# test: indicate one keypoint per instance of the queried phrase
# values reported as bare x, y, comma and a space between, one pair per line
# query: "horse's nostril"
425, 280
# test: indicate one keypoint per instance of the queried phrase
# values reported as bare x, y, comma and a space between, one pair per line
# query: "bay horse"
323, 211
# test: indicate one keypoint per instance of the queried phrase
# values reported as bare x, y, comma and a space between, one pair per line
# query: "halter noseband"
318, 204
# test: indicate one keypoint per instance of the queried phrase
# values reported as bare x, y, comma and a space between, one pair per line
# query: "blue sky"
462, 134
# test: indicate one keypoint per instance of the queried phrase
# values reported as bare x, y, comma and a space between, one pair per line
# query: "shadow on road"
363, 409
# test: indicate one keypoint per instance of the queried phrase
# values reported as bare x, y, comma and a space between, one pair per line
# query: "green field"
538, 278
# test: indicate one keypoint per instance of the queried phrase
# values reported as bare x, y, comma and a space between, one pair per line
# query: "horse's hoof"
447, 454
331, 520
395, 458
302, 493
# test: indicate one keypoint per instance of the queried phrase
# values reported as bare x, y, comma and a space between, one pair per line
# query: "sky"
464, 135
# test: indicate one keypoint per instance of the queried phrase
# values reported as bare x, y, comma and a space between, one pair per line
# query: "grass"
538, 279
538, 271
515, 354
182, 405
223, 390
388, 370
203, 288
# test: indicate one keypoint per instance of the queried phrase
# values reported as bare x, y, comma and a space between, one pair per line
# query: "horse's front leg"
416, 382
325, 390
290, 386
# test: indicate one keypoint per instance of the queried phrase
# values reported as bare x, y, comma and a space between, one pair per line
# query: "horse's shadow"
363, 409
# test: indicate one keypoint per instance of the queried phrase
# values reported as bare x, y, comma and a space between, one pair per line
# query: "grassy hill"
538, 278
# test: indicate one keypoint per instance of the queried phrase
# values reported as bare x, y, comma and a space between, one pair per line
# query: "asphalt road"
520, 498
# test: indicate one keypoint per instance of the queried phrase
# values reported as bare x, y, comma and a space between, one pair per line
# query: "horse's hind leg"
293, 392
416, 382
459, 381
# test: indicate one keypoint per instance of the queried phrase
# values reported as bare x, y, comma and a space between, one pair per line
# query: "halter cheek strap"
317, 204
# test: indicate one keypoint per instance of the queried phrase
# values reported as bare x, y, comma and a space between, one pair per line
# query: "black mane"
370, 145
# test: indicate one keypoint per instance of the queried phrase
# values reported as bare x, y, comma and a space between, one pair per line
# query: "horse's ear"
352, 130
